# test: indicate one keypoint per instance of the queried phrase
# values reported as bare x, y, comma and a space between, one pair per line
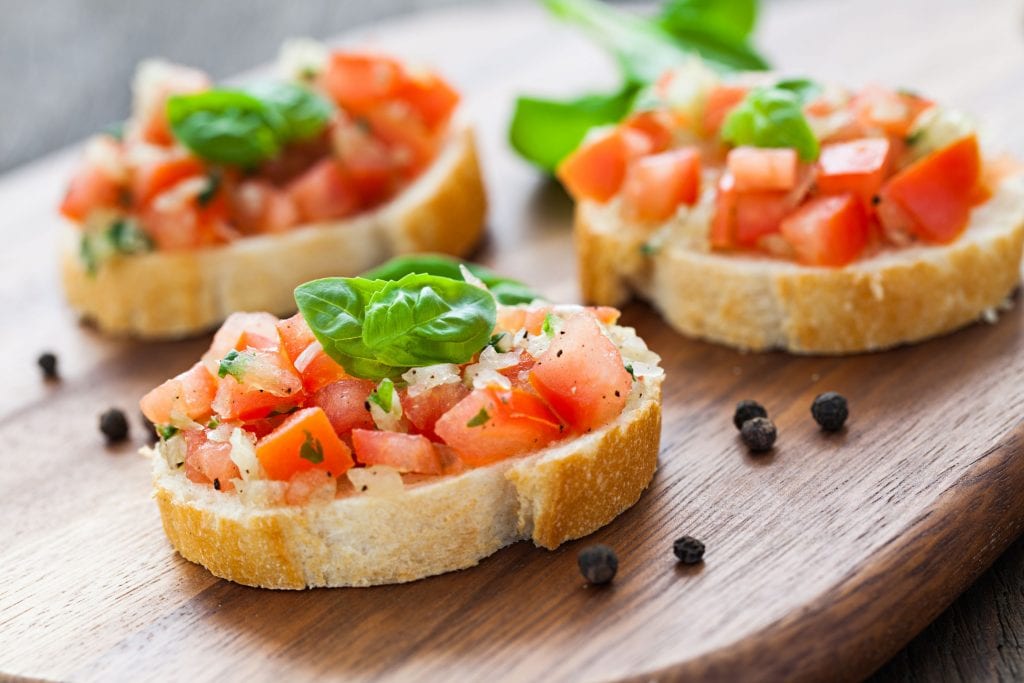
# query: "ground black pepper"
688, 549
48, 364
759, 434
114, 425
598, 564
746, 410
830, 411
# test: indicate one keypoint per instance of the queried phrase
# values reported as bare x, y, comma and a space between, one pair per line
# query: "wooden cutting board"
823, 558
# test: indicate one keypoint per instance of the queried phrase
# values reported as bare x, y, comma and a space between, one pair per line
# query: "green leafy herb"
213, 423
123, 236
165, 432
629, 369
550, 322
502, 342
649, 249
771, 117
479, 419
803, 88
383, 395
379, 328
305, 114
213, 181
506, 290
234, 364
127, 238
545, 131
312, 450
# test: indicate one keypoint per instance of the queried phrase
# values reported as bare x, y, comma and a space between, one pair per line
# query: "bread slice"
896, 296
433, 526
177, 294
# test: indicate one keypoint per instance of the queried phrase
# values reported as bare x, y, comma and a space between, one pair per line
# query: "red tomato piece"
177, 219
412, 144
656, 125
858, 166
936, 192
597, 168
344, 403
91, 188
720, 101
209, 462
828, 231
359, 81
656, 185
757, 169
317, 368
295, 335
230, 335
324, 192
425, 409
257, 206
430, 96
582, 376
723, 230
153, 178
368, 162
303, 442
189, 395
888, 110
404, 452
268, 383
491, 425
759, 214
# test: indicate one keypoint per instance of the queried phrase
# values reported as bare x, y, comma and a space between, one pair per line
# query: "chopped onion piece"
243, 454
424, 379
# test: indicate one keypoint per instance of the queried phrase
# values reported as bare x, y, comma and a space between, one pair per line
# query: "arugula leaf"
304, 113
479, 419
506, 290
424, 319
383, 395
311, 449
771, 117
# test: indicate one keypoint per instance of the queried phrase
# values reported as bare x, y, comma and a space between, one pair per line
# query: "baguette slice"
897, 296
438, 525
177, 294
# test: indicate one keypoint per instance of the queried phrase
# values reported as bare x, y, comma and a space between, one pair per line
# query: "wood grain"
824, 557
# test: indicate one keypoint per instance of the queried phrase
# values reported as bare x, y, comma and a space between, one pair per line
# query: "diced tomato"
888, 110
257, 206
514, 318
91, 188
209, 462
304, 441
656, 185
656, 125
368, 162
404, 452
491, 425
317, 368
152, 178
858, 166
359, 81
262, 426
582, 376
720, 101
519, 374
295, 335
269, 383
828, 231
231, 332
430, 96
597, 169
178, 219
757, 169
759, 214
188, 395
324, 192
425, 409
155, 84
344, 403
936, 192
723, 231
412, 143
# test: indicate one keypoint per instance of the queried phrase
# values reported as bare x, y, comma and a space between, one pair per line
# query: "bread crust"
563, 492
759, 303
162, 295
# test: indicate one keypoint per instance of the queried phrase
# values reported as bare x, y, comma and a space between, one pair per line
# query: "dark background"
65, 69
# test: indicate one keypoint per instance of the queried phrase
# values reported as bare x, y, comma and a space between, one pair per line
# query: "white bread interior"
182, 293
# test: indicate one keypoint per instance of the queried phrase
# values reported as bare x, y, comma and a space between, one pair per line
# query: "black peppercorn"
830, 411
688, 549
759, 434
747, 410
48, 364
114, 425
598, 564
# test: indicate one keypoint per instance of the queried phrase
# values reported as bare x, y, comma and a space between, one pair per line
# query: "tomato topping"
257, 206
492, 424
828, 231
757, 169
295, 335
597, 168
581, 375
858, 166
720, 101
304, 441
891, 111
317, 368
656, 125
91, 188
209, 462
424, 409
231, 333
935, 193
344, 403
404, 452
412, 144
358, 81
368, 162
656, 185
188, 395
154, 85
430, 96
266, 383
151, 179
182, 217
324, 192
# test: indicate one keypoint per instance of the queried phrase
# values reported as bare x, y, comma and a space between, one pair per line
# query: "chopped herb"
384, 395
501, 342
213, 423
233, 364
127, 238
123, 236
629, 369
914, 137
479, 419
213, 182
166, 431
312, 450
649, 249
550, 320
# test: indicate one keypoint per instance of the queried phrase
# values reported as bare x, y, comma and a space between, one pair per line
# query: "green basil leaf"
771, 117
311, 449
732, 19
479, 419
335, 310
226, 126
424, 319
506, 290
304, 113
804, 88
127, 237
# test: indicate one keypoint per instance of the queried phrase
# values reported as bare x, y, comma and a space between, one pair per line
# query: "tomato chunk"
656, 125
209, 462
491, 425
257, 207
656, 185
858, 166
828, 231
358, 81
430, 96
188, 395
425, 409
264, 382
888, 110
757, 169
304, 441
721, 100
317, 368
231, 333
936, 192
344, 403
91, 188
324, 192
295, 335
597, 169
581, 375
404, 452
151, 179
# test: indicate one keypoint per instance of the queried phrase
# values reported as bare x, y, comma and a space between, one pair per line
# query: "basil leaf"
304, 113
506, 290
311, 449
226, 126
334, 309
424, 319
732, 19
771, 117
127, 238
804, 88
479, 419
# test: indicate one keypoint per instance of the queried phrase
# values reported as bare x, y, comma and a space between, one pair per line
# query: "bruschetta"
768, 213
396, 429
211, 199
